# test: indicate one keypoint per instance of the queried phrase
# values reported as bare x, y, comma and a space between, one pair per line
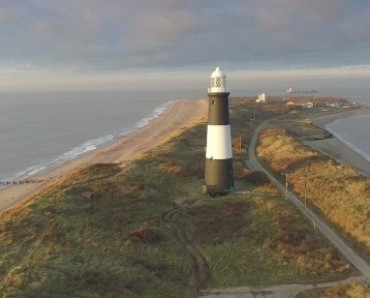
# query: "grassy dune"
118, 245
259, 239
114, 247
339, 192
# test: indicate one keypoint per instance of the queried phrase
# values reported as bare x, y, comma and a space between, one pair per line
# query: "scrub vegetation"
338, 192
119, 243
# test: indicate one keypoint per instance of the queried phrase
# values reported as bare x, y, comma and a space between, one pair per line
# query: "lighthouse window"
218, 82
213, 102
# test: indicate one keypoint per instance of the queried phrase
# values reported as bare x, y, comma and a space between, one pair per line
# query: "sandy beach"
178, 116
337, 149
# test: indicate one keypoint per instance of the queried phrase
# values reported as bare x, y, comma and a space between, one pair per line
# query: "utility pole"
286, 184
305, 178
305, 196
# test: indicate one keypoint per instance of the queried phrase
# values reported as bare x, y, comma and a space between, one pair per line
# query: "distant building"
310, 104
262, 98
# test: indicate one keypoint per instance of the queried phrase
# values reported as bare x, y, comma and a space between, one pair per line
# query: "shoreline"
179, 115
176, 117
321, 121
338, 150
77, 150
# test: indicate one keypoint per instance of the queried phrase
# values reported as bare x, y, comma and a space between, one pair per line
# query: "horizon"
327, 80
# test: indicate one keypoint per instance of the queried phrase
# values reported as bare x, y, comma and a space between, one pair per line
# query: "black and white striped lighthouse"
219, 169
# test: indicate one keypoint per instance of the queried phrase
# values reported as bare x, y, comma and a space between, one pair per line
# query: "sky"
112, 44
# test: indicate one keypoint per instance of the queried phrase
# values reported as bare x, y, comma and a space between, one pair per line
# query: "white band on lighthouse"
219, 142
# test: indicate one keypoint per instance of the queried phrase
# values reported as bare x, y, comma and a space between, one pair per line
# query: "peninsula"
130, 219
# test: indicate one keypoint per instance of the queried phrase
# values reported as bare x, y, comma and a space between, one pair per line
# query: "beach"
337, 149
177, 117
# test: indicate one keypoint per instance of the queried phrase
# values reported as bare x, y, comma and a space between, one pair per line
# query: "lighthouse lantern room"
218, 81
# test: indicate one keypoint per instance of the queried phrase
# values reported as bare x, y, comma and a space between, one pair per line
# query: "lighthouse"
219, 169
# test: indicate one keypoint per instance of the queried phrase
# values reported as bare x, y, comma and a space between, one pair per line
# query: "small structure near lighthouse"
219, 169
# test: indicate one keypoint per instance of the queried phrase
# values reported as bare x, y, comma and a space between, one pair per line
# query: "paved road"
278, 291
347, 251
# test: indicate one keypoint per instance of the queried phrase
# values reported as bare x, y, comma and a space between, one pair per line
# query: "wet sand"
178, 116
337, 149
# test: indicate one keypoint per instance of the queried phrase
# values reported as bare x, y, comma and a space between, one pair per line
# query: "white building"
262, 97
310, 105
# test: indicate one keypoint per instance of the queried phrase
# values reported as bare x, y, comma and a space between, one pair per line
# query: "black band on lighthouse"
218, 108
219, 173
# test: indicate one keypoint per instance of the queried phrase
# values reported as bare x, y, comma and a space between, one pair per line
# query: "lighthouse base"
218, 177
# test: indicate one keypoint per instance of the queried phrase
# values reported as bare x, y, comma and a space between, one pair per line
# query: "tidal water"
39, 131
354, 131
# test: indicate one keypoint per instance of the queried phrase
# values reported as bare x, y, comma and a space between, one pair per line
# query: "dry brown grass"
349, 291
143, 235
338, 191
341, 194
281, 150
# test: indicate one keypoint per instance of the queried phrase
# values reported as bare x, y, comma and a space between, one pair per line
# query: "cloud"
110, 35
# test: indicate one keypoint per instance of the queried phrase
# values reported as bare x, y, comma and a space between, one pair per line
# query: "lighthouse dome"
218, 81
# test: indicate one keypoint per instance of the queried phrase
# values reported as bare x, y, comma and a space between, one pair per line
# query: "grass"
117, 245
96, 249
258, 240
300, 125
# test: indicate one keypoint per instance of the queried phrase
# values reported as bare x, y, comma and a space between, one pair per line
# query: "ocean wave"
29, 171
83, 148
155, 114
88, 146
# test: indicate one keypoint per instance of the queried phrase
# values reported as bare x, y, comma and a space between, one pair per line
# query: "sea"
39, 131
354, 131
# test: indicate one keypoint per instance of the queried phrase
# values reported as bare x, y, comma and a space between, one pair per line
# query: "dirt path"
202, 272
278, 291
